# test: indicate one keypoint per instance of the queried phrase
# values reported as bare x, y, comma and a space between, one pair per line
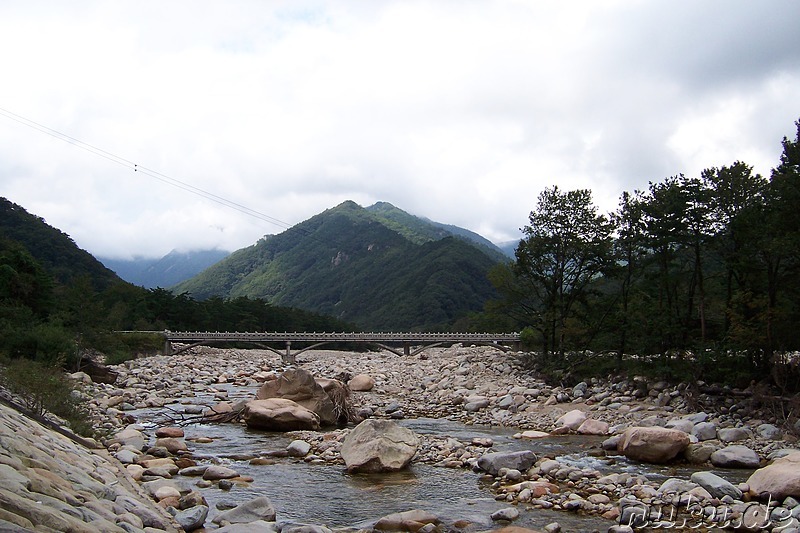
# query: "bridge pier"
167, 347
288, 358
406, 348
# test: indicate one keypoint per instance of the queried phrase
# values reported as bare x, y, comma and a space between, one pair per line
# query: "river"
327, 495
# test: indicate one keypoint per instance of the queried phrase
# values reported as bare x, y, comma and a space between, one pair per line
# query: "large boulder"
300, 386
378, 446
493, 462
716, 486
780, 479
279, 414
652, 444
572, 419
735, 456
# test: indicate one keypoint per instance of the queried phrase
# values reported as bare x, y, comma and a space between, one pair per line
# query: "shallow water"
327, 495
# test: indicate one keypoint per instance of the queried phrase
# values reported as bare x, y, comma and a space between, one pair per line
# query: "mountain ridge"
165, 271
378, 267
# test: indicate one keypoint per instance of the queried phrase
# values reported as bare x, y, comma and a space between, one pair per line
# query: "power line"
143, 170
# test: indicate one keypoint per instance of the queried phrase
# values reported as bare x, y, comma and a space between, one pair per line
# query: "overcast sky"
459, 111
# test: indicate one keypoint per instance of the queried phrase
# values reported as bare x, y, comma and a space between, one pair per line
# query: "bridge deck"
406, 339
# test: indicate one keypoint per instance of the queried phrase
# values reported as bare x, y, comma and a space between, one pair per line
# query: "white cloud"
458, 111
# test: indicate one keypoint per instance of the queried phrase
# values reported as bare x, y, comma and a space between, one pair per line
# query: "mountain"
164, 272
53, 249
509, 248
421, 230
377, 267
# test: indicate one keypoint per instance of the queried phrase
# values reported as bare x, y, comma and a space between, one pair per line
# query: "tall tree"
566, 247
781, 247
737, 197
630, 254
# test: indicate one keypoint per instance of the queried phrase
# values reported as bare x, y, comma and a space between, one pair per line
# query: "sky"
139, 127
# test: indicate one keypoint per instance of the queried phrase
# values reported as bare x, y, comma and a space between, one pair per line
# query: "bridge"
387, 341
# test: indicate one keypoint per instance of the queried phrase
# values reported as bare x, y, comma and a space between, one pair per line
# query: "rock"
732, 434
217, 472
192, 518
591, 426
132, 438
705, 431
279, 414
361, 383
675, 485
127, 456
477, 405
378, 446
169, 432
769, 432
779, 479
165, 492
259, 526
735, 456
406, 521
259, 508
681, 424
493, 462
218, 410
509, 514
298, 448
531, 434
292, 527
300, 386
611, 443
697, 453
572, 419
716, 486
172, 444
652, 444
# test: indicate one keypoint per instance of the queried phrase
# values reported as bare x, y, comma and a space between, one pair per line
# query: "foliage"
700, 282
43, 388
351, 263
566, 246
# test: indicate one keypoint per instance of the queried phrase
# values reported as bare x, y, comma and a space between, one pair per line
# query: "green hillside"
55, 250
381, 269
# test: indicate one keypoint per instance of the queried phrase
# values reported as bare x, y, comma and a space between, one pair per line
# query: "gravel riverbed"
473, 386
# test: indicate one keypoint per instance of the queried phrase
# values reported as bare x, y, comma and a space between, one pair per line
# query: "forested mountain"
55, 250
164, 272
421, 230
57, 302
379, 268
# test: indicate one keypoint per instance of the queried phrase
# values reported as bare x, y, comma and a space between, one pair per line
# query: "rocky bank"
706, 426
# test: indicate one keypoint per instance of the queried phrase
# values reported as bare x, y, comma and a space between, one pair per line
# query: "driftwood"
181, 419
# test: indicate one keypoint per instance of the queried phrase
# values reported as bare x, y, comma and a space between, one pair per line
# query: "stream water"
327, 495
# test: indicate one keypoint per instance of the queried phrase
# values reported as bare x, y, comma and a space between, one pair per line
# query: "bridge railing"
381, 338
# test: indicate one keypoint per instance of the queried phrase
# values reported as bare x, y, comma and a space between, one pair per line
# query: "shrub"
44, 388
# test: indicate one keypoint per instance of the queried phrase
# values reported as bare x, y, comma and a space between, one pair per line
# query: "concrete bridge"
389, 341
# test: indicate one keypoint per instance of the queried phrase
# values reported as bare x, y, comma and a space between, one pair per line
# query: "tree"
737, 202
780, 250
630, 254
566, 247
677, 230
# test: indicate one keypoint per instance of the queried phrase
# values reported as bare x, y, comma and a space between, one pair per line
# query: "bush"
44, 388
121, 347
